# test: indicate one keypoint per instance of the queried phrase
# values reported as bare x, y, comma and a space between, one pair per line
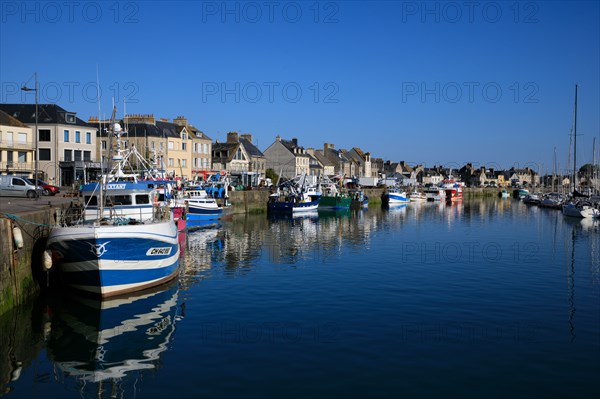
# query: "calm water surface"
489, 298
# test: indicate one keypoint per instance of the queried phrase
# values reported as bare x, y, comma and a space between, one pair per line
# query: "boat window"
91, 200
142, 199
119, 199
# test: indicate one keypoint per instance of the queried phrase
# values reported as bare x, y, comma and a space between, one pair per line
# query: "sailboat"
579, 208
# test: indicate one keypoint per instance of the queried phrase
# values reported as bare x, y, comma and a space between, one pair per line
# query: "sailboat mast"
575, 143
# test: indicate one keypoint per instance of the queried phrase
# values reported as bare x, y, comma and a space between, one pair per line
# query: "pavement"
18, 205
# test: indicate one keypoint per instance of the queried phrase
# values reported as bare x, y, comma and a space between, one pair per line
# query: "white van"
14, 186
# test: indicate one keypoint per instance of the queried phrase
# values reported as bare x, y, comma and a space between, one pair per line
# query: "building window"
66, 136
77, 154
22, 157
67, 155
44, 153
44, 135
184, 146
171, 145
9, 156
88, 138
9, 138
184, 163
22, 138
171, 162
161, 146
77, 136
152, 144
104, 146
87, 156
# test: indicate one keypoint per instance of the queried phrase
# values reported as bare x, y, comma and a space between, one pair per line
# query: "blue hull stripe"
113, 248
106, 278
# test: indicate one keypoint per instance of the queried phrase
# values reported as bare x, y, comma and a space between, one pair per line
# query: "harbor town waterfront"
487, 297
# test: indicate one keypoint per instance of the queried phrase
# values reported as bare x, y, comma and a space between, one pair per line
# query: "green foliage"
270, 174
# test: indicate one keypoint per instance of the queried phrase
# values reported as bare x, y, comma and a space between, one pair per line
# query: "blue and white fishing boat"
199, 207
294, 197
121, 239
394, 196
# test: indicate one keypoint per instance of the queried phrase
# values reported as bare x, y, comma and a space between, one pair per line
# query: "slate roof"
198, 133
220, 147
250, 148
47, 114
289, 144
7, 120
323, 160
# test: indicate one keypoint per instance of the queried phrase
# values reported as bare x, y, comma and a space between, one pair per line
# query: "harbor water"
481, 298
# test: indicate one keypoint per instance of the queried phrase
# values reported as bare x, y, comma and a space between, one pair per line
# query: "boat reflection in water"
103, 346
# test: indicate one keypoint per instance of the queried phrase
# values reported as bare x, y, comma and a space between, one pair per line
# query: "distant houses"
71, 150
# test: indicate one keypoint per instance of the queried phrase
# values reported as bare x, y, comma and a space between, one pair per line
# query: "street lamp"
36, 155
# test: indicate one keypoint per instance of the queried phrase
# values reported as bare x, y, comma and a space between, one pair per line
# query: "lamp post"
36, 155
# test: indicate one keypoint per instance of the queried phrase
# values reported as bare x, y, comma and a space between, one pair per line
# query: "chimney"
180, 121
247, 136
278, 138
140, 118
295, 141
327, 146
232, 137
310, 151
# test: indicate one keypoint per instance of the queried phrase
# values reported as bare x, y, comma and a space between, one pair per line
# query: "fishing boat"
334, 197
453, 194
394, 196
121, 239
452, 188
434, 193
294, 196
198, 205
358, 199
417, 196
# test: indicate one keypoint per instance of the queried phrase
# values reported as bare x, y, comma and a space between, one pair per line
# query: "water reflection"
103, 348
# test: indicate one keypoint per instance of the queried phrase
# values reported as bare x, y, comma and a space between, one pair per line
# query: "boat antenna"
100, 183
575, 142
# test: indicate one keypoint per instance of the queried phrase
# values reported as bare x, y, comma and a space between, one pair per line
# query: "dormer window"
70, 118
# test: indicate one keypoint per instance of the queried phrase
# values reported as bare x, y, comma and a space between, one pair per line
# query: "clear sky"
426, 82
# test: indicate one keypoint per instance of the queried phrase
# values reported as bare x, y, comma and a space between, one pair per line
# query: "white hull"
109, 260
580, 212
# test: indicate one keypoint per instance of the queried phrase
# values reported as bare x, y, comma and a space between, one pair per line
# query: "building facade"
66, 144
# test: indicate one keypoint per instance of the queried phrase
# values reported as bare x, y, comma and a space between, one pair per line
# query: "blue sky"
438, 82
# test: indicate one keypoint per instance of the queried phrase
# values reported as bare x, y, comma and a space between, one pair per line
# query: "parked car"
16, 186
48, 188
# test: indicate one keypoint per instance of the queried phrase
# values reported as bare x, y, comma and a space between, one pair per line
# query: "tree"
270, 174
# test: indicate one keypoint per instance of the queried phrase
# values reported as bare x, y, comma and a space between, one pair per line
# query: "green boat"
335, 202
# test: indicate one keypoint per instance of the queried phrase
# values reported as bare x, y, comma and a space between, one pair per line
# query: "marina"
478, 279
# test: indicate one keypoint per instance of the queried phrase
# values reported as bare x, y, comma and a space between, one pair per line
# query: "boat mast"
575, 143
